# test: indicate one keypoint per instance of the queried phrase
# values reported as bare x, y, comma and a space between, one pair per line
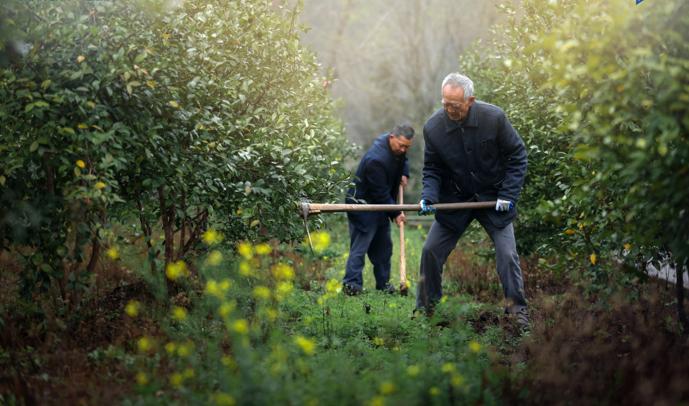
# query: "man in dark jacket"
382, 169
472, 153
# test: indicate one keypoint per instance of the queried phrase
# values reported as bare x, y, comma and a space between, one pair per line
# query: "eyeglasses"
452, 106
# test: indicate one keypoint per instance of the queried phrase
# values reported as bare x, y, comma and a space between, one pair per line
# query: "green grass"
316, 345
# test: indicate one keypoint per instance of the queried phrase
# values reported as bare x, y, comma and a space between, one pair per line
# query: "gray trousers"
442, 240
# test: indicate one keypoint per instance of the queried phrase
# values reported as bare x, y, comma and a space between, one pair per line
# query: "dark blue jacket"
482, 158
377, 182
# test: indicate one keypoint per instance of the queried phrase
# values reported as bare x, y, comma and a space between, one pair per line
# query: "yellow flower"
448, 368
307, 345
283, 272
627, 246
225, 285
81, 58
378, 341
263, 249
434, 391
261, 293
387, 388
569, 231
144, 344
100, 185
333, 286
593, 258
474, 346
321, 241
82, 126
132, 308
173, 104
227, 361
377, 401
272, 314
185, 349
213, 289
170, 347
456, 380
176, 270
188, 373
226, 308
212, 237
224, 399
283, 290
214, 258
112, 253
81, 164
141, 378
240, 326
176, 380
413, 370
179, 313
245, 268
245, 250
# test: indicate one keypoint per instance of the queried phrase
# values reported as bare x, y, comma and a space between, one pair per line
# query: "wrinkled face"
454, 104
399, 145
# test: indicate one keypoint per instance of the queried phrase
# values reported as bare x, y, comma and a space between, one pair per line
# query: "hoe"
308, 208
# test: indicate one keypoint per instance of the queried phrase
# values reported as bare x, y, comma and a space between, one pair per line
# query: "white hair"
458, 80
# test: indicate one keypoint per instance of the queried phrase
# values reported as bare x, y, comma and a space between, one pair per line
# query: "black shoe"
351, 290
388, 289
521, 316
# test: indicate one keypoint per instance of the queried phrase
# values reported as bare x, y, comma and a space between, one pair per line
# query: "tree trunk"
167, 215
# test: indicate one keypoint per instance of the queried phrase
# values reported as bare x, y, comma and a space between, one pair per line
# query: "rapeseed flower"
226, 308
378, 341
245, 268
434, 391
214, 258
283, 290
321, 241
179, 313
171, 347
333, 286
307, 345
448, 368
100, 185
474, 346
145, 344
81, 164
263, 249
185, 349
176, 380
413, 370
132, 308
456, 380
141, 378
212, 237
113, 253
387, 388
240, 326
246, 250
261, 293
377, 401
175, 270
283, 271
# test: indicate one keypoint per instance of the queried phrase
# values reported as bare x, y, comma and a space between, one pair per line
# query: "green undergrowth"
247, 328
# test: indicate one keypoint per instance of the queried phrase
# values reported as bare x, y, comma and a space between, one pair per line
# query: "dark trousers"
375, 242
442, 240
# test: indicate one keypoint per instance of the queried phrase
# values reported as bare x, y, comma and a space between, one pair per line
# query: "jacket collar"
470, 121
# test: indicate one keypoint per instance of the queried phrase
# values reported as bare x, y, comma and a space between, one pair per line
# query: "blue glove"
426, 208
504, 205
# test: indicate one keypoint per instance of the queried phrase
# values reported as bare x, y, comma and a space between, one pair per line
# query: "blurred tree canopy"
164, 115
387, 60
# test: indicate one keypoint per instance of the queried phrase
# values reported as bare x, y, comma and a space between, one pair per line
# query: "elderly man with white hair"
472, 153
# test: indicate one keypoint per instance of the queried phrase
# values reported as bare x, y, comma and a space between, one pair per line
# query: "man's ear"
471, 100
